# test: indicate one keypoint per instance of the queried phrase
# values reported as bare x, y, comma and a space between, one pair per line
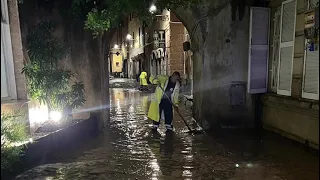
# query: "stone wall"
293, 118
83, 57
220, 59
175, 55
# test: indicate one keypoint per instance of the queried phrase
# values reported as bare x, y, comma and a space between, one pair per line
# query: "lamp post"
128, 37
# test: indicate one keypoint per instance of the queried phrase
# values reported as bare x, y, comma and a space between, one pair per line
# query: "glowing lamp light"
38, 115
129, 37
55, 116
152, 8
116, 46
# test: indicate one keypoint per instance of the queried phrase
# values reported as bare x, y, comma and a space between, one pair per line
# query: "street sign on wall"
159, 39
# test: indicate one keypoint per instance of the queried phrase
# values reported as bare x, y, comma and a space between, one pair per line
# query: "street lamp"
153, 8
129, 37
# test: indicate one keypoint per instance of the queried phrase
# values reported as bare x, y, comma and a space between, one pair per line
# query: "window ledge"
15, 101
289, 101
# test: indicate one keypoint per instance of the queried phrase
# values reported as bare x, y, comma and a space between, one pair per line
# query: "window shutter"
275, 50
258, 50
8, 87
286, 53
310, 88
4, 80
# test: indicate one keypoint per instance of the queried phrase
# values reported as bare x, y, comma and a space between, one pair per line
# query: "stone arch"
220, 58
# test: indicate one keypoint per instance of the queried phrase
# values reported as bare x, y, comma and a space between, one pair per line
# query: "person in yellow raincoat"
161, 105
143, 81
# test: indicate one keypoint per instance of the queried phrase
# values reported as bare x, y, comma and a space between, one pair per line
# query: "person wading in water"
161, 106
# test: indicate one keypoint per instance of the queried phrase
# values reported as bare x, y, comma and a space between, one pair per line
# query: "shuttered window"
275, 50
4, 80
258, 50
286, 52
310, 88
8, 85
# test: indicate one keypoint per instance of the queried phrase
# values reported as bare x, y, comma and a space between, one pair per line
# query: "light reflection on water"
182, 156
129, 150
166, 161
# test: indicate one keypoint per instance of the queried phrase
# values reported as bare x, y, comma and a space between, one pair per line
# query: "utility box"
238, 93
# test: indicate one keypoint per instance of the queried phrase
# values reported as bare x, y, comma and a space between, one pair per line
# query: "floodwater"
128, 150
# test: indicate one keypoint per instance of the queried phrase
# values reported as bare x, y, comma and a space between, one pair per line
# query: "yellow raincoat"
151, 80
153, 112
143, 79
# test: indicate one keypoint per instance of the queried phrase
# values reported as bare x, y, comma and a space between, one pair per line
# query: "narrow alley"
128, 150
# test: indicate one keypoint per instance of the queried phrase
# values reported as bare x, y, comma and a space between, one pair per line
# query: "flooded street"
128, 150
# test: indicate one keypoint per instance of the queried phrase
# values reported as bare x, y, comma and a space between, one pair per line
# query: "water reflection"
129, 150
183, 156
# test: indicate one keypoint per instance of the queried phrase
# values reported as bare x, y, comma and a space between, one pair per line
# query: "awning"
157, 54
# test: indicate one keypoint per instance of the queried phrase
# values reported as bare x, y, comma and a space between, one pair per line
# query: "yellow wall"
116, 59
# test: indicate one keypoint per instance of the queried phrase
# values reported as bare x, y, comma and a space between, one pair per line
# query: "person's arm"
153, 80
160, 79
176, 94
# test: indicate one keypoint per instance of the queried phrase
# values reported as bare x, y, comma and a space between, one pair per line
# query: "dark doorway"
125, 68
140, 66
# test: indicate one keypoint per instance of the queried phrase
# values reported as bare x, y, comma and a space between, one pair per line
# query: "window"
258, 50
286, 51
8, 85
310, 82
275, 50
4, 80
4, 12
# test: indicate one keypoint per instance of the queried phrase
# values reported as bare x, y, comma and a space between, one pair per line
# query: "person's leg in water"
156, 124
168, 114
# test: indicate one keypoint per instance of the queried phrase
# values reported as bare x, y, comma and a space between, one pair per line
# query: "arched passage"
220, 55
220, 63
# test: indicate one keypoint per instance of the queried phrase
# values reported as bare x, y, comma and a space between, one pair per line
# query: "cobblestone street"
128, 150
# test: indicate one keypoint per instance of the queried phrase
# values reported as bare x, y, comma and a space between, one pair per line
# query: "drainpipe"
145, 60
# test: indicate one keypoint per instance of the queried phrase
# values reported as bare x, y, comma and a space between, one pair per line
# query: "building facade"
156, 49
290, 51
165, 38
13, 82
135, 40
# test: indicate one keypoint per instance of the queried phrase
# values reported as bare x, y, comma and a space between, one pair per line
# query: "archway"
220, 64
219, 48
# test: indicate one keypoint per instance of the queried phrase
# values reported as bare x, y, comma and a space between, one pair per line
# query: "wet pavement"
123, 83
128, 150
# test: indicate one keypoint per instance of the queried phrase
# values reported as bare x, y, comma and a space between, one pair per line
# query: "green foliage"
12, 131
45, 49
98, 21
47, 82
73, 98
106, 13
